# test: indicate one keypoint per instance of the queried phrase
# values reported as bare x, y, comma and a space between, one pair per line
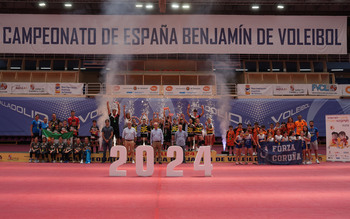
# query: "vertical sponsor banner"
188, 90
254, 89
337, 132
324, 89
289, 89
133, 89
282, 153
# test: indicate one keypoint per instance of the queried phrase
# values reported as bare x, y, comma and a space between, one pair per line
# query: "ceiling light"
280, 6
68, 5
149, 6
138, 5
175, 5
42, 4
186, 6
255, 7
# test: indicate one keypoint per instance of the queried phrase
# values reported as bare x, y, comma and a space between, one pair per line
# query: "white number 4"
204, 151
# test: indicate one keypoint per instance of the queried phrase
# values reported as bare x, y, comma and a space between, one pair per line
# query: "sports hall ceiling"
266, 7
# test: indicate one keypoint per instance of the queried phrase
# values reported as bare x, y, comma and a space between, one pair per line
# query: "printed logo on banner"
292, 89
39, 88
3, 88
57, 88
206, 88
247, 89
20, 88
116, 88
324, 89
347, 89
169, 88
154, 88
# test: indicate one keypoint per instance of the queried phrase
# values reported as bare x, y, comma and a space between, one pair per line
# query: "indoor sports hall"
174, 109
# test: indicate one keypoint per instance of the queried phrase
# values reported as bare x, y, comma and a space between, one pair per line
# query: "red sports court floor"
45, 190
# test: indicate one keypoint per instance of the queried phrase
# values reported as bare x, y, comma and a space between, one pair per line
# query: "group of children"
47, 150
247, 140
71, 147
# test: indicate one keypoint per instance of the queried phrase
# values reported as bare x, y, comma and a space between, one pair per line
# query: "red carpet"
81, 190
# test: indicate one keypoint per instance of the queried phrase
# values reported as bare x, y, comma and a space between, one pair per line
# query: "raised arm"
188, 110
138, 119
108, 109
124, 111
202, 111
118, 105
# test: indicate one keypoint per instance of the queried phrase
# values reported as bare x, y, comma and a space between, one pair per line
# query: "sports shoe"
132, 161
30, 160
61, 161
237, 163
246, 163
37, 161
304, 162
43, 161
81, 161
254, 153
309, 162
54, 161
318, 162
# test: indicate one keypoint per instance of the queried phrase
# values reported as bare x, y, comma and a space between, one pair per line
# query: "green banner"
49, 134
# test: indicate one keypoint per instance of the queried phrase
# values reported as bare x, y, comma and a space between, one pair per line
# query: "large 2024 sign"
204, 151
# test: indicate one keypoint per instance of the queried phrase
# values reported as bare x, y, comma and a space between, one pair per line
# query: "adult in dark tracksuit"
107, 135
180, 139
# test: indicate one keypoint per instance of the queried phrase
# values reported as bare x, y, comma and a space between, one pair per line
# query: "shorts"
304, 146
238, 146
191, 135
248, 146
36, 135
210, 134
94, 138
143, 135
314, 145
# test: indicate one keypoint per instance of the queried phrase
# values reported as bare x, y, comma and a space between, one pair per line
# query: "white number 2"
178, 160
113, 169
204, 151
